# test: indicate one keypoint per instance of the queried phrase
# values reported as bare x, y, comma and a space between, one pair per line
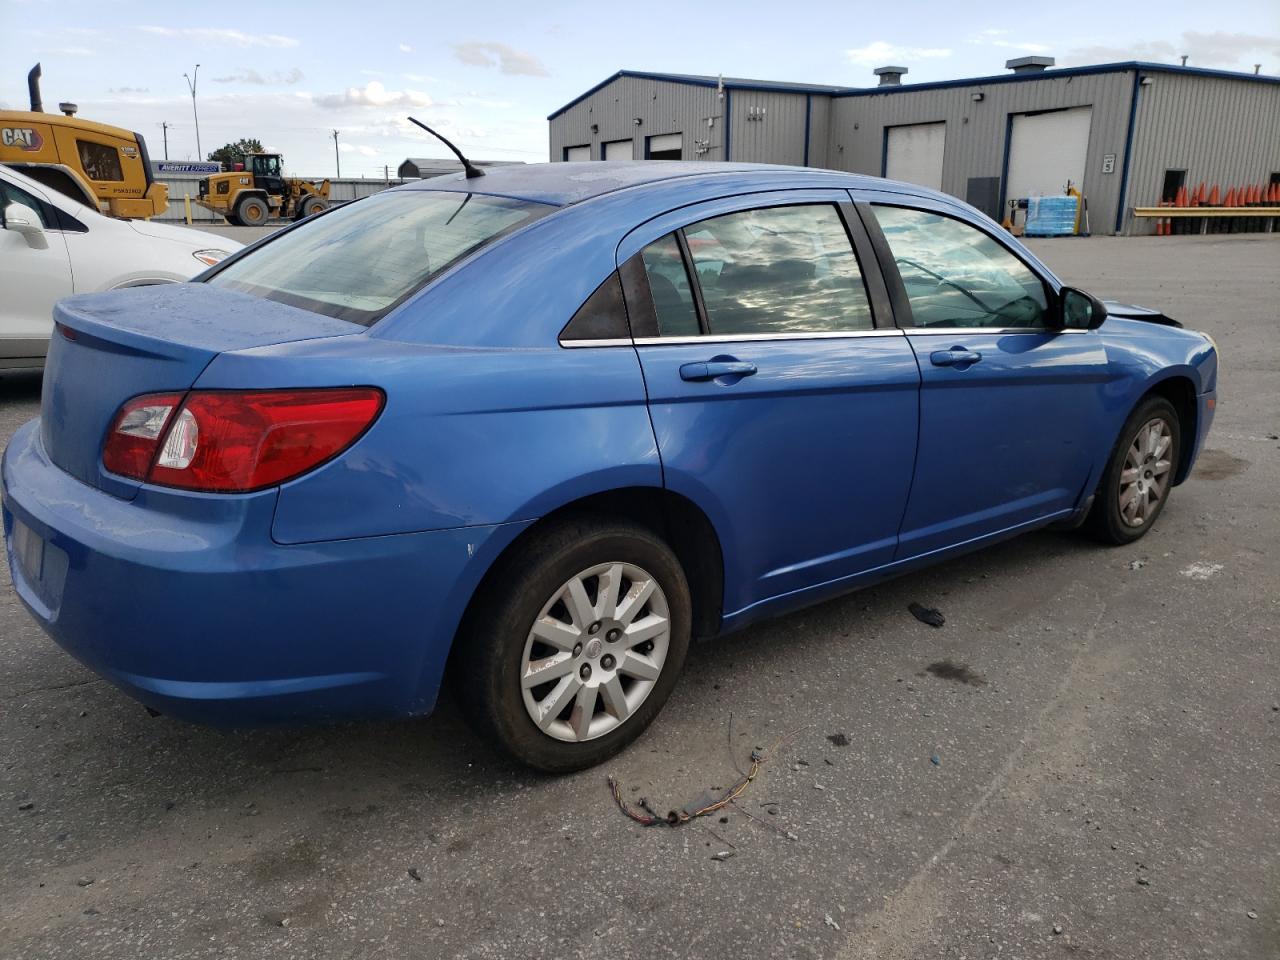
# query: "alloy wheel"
1144, 479
595, 651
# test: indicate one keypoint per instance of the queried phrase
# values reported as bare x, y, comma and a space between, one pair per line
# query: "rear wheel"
575, 643
1139, 476
232, 219
252, 211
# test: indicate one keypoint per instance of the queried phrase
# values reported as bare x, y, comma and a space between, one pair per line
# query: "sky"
488, 72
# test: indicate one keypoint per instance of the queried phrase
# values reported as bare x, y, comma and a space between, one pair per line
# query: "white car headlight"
210, 257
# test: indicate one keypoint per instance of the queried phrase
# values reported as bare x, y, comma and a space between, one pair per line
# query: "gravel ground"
1104, 722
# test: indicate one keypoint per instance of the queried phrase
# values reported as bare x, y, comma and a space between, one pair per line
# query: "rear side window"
957, 276
775, 270
669, 285
358, 261
100, 162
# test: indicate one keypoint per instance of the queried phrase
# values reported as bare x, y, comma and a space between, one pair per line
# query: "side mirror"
1078, 310
20, 218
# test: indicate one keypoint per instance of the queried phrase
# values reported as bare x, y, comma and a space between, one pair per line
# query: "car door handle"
955, 357
710, 369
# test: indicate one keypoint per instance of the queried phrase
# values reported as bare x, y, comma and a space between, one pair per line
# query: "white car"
52, 246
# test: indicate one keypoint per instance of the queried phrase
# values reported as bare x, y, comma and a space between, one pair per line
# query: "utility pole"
164, 127
336, 159
191, 85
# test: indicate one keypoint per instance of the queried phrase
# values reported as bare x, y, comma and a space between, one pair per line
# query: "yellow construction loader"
103, 166
248, 197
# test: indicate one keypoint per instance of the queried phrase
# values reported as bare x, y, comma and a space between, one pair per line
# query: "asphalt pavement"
1082, 762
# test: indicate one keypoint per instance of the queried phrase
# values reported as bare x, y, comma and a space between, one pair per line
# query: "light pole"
164, 127
336, 159
191, 84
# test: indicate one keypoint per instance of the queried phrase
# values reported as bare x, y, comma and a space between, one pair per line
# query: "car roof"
562, 184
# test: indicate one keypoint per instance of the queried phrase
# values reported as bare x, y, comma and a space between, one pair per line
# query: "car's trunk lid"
109, 347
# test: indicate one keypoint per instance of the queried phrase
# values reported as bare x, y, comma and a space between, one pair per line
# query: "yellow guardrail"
1206, 211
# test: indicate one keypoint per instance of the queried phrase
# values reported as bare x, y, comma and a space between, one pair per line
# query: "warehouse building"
1123, 134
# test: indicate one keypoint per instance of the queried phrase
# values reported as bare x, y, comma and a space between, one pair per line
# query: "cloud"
999, 38
68, 51
490, 53
419, 78
126, 91
373, 94
881, 54
405, 48
1217, 49
274, 78
220, 35
363, 149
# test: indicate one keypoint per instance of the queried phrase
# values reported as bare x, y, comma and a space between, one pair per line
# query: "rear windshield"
359, 261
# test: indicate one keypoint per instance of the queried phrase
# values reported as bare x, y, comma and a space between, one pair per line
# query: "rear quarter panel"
469, 435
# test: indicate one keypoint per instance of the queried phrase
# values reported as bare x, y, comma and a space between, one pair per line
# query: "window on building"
958, 276
669, 286
1174, 180
100, 161
778, 270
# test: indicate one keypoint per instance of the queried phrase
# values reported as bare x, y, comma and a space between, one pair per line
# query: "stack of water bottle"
1053, 216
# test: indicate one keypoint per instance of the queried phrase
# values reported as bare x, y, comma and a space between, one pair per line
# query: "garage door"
914, 153
1046, 150
617, 150
666, 146
574, 154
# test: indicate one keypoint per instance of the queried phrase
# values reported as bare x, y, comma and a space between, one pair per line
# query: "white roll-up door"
617, 150
1046, 150
666, 146
913, 154
574, 154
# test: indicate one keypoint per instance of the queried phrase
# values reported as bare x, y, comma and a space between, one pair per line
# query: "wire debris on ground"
644, 814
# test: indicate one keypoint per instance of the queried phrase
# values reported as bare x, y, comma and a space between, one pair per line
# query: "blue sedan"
546, 425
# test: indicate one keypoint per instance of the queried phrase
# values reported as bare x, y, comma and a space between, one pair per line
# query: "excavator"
248, 197
100, 165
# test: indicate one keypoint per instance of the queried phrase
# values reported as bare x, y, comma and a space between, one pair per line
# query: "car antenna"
468, 168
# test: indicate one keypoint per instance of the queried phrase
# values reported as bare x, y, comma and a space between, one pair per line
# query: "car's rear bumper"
187, 604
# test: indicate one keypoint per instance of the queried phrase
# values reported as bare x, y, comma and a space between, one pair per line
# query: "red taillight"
233, 441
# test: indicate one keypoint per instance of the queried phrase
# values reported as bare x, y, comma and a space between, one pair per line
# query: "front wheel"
253, 211
1139, 476
575, 643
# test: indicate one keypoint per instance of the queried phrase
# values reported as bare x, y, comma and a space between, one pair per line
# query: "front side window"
358, 261
11, 193
957, 276
778, 270
100, 162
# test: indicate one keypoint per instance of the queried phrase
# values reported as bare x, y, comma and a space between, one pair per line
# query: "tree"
234, 153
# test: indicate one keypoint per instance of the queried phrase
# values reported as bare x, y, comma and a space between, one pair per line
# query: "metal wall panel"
768, 127
977, 131
1218, 130
661, 107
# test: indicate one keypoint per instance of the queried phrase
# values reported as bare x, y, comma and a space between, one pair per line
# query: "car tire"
544, 725
1139, 475
252, 211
